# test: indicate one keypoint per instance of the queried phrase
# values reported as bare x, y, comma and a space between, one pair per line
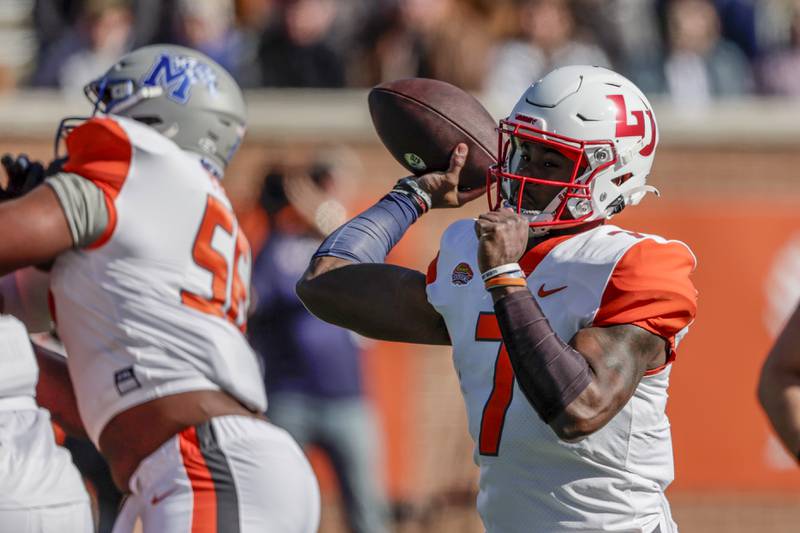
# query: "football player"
563, 327
779, 386
41, 491
150, 284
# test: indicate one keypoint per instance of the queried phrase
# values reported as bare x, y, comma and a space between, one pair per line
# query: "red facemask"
572, 203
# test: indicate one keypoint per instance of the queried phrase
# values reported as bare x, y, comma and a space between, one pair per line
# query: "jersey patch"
462, 274
125, 380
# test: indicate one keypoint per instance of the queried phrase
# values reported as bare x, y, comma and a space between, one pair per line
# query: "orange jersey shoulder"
650, 287
100, 151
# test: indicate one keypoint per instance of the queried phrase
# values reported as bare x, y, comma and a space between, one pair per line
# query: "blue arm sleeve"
368, 237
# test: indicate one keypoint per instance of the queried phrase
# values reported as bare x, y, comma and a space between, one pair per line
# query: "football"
420, 121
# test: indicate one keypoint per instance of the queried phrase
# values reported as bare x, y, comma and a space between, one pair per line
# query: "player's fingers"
457, 159
485, 228
482, 227
34, 176
491, 216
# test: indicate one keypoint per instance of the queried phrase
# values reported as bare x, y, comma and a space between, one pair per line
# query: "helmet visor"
116, 95
105, 94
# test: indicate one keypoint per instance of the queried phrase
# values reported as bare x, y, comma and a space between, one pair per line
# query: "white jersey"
18, 370
34, 471
158, 304
614, 479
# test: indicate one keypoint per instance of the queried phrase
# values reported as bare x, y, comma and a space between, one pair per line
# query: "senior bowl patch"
462, 274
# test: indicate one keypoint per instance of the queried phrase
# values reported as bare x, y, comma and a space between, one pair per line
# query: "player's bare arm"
779, 385
35, 230
618, 357
341, 295
576, 387
345, 288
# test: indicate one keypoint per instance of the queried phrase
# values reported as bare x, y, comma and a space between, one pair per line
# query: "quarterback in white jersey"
150, 286
563, 327
41, 491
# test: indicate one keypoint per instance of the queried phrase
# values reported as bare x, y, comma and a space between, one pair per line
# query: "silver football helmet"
180, 92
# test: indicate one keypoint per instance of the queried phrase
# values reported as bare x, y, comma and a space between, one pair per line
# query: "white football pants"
233, 474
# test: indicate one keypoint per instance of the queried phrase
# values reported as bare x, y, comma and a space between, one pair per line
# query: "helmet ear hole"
150, 120
619, 180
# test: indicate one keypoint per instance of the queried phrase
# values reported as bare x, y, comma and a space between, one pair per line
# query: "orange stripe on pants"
204, 512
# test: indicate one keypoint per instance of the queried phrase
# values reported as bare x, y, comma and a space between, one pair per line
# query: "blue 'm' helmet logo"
178, 74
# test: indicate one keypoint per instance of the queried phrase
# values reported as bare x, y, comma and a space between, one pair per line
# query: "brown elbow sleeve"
549, 372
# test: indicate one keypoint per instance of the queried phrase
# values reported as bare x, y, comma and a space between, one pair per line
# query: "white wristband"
502, 269
414, 186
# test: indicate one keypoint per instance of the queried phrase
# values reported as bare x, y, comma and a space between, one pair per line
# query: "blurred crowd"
691, 50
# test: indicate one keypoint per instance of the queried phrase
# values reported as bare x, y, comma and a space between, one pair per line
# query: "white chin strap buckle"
533, 217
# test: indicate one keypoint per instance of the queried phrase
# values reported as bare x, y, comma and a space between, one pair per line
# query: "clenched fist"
502, 238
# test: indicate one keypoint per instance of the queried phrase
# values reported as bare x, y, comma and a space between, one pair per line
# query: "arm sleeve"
84, 205
651, 288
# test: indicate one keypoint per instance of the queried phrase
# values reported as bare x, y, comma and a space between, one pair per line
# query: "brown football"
420, 121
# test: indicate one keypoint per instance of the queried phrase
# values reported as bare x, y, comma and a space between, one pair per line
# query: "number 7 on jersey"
494, 411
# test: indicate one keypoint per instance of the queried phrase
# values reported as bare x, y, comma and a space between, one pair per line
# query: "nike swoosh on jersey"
543, 293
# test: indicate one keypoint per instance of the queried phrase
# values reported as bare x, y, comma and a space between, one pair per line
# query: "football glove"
24, 175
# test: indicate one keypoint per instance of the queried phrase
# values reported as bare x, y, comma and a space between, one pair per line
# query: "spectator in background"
298, 53
209, 26
52, 19
102, 35
546, 39
738, 24
153, 21
313, 369
773, 18
256, 19
441, 39
780, 73
700, 65
17, 41
629, 31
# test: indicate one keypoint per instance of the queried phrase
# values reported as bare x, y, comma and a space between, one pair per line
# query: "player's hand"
502, 238
443, 186
22, 176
